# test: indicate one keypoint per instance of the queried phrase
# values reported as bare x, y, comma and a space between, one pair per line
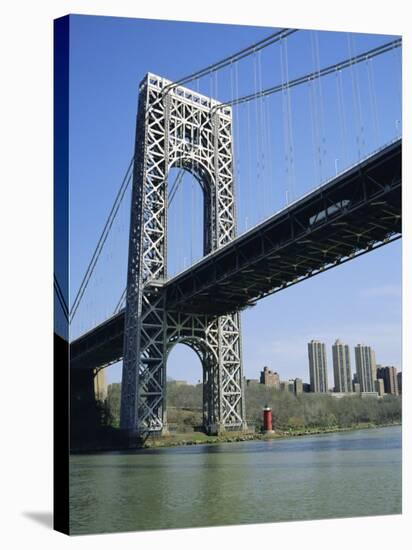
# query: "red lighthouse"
267, 420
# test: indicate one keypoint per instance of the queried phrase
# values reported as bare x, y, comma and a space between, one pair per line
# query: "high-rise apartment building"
341, 367
317, 367
390, 379
365, 367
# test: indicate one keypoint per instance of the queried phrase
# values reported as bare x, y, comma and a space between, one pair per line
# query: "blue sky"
357, 302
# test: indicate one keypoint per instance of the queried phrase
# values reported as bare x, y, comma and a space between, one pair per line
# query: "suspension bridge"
292, 179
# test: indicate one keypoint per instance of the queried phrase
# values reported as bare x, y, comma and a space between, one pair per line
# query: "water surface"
328, 476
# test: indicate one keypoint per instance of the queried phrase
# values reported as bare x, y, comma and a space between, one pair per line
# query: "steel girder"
177, 128
355, 212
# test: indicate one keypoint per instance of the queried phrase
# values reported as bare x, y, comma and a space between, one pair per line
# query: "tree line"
304, 411
320, 410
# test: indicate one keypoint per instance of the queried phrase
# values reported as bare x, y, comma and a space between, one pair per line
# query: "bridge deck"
348, 216
354, 211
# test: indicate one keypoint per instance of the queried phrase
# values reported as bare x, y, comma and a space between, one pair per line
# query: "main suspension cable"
60, 297
315, 75
103, 237
264, 43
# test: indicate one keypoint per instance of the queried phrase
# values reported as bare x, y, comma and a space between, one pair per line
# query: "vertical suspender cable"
372, 104
238, 187
358, 93
313, 132
195, 201
234, 141
287, 117
191, 208
257, 131
249, 186
263, 134
342, 115
316, 115
375, 99
321, 104
268, 117
180, 218
398, 60
266, 147
290, 125
355, 98
285, 125
398, 57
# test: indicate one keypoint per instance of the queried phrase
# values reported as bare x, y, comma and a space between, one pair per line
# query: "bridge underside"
348, 216
101, 346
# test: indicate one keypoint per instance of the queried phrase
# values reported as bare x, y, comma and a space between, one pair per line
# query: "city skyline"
381, 379
275, 378
388, 374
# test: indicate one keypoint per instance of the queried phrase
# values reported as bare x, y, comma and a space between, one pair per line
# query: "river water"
328, 476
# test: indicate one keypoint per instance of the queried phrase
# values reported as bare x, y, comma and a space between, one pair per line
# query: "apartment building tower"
341, 367
317, 367
390, 379
365, 367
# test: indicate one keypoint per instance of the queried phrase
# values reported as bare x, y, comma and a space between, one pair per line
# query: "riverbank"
198, 438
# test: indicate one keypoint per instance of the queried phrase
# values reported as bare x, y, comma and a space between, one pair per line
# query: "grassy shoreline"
198, 438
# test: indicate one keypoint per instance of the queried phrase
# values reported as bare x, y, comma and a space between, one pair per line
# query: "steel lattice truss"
178, 128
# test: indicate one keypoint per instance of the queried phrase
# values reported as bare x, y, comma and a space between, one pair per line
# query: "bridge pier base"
215, 429
85, 416
220, 429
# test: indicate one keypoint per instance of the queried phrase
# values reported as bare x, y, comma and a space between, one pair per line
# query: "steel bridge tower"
177, 127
